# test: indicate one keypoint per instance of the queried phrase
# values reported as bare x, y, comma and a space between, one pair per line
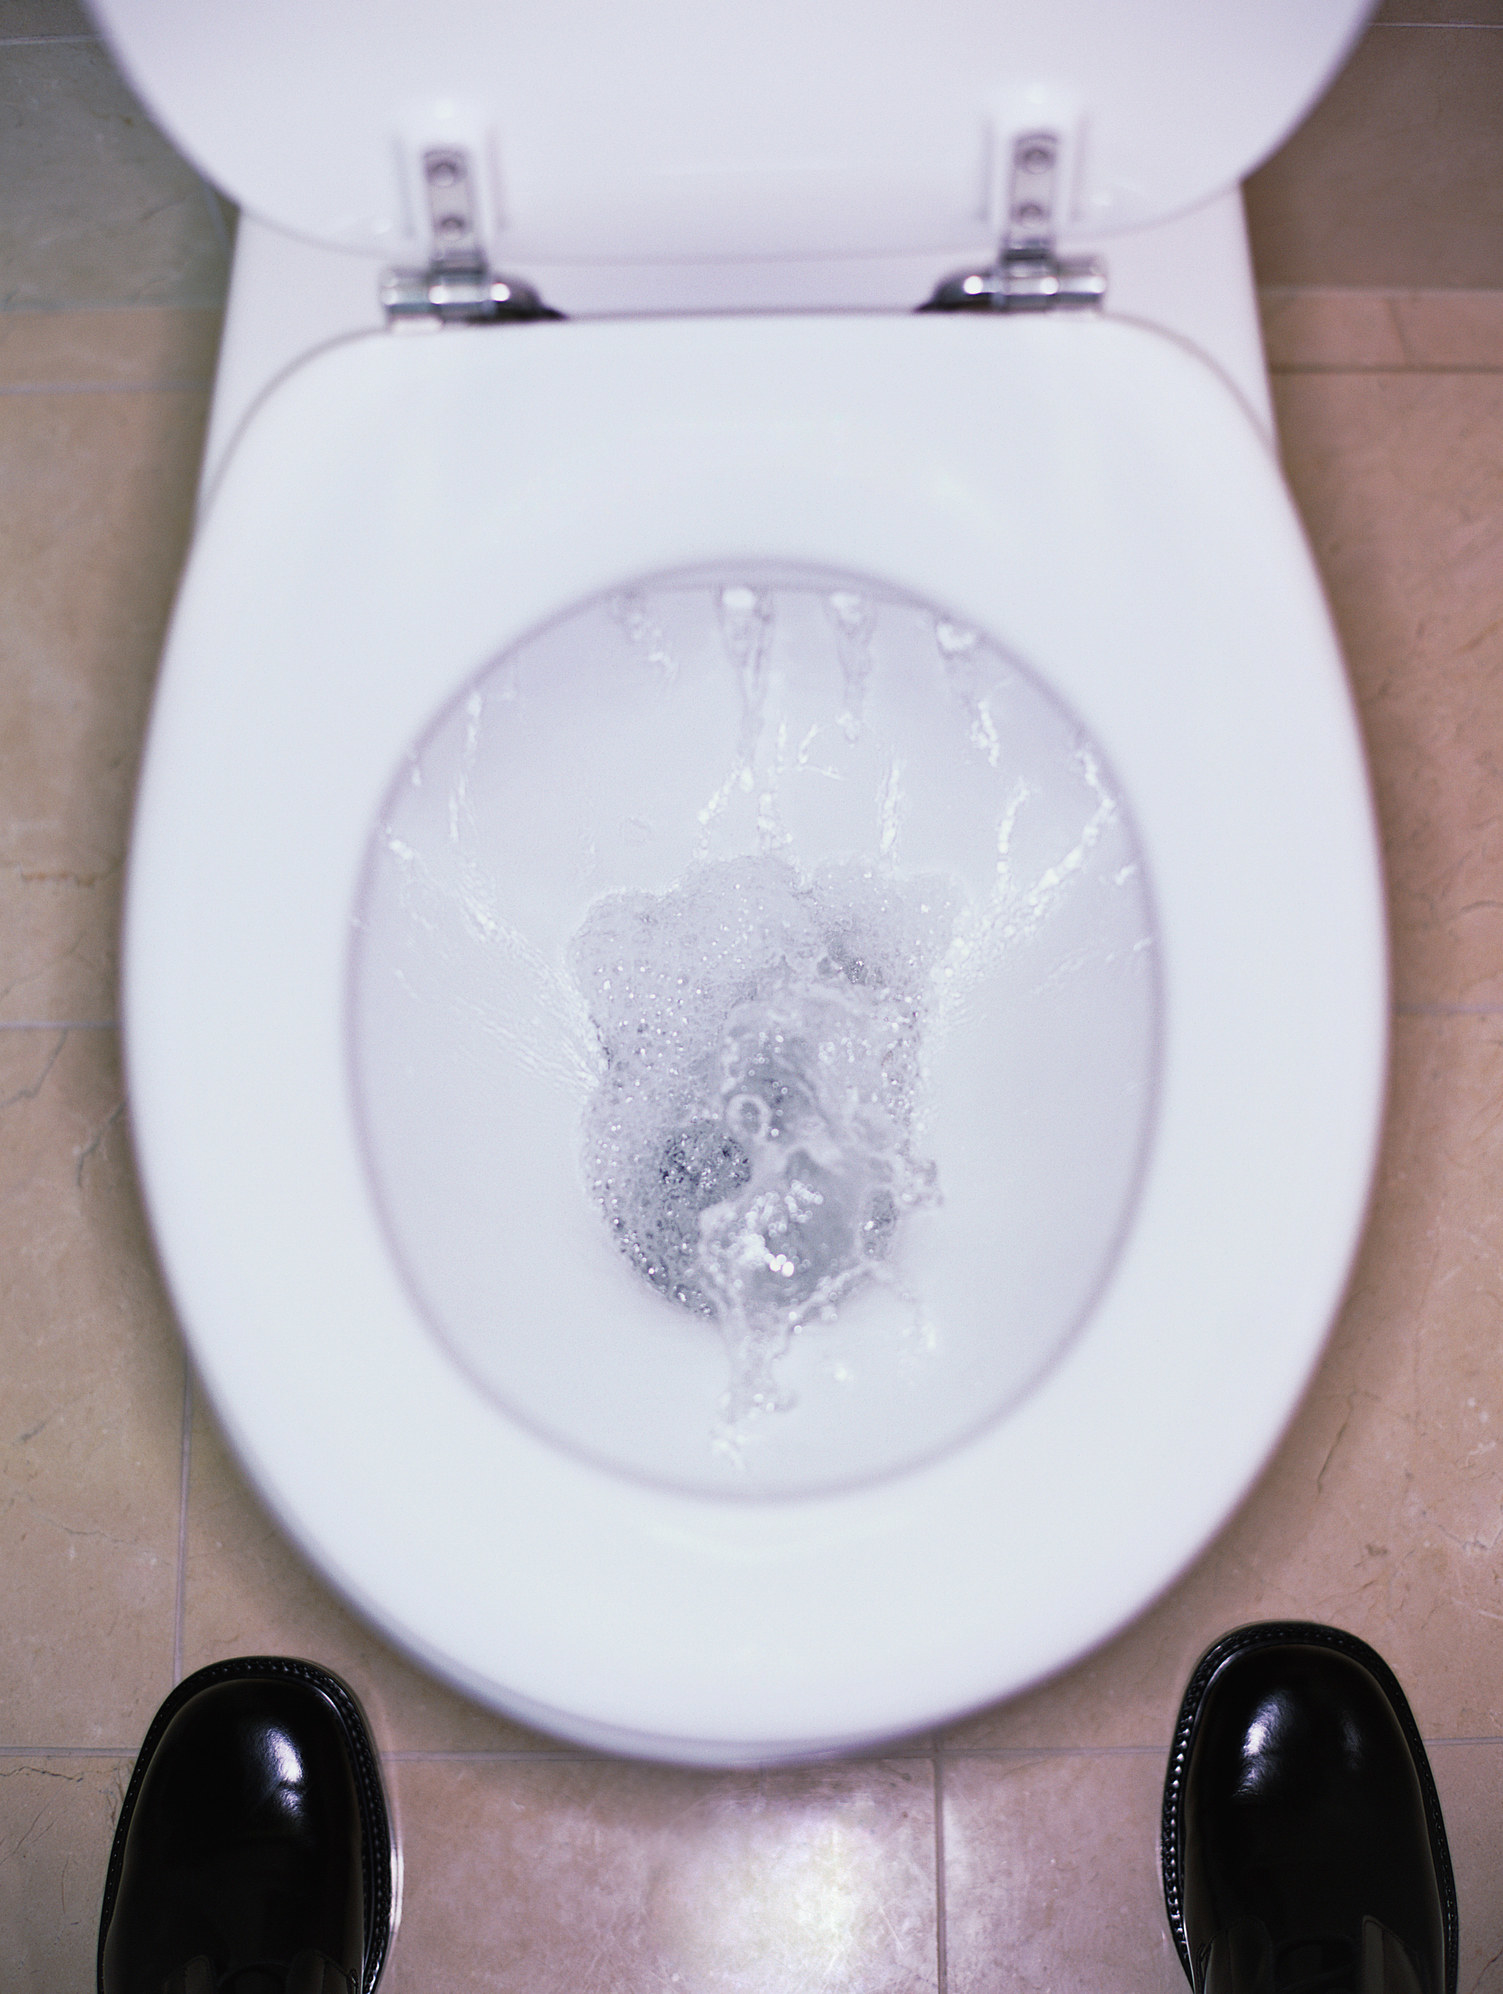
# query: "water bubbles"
698, 1166
751, 1143
955, 640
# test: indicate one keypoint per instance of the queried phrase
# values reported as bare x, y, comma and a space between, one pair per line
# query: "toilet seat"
395, 514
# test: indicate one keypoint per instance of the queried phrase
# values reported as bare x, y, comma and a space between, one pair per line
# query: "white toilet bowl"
398, 515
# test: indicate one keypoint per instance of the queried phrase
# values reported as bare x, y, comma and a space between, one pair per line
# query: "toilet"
603, 567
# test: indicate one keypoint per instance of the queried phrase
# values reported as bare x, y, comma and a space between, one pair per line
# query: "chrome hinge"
1028, 276
458, 287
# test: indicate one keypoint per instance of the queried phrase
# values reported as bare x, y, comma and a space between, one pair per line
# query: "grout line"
941, 1909
69, 1751
13, 306
418, 1757
1388, 291
217, 224
58, 1025
44, 41
179, 1598
1395, 367
54, 308
1023, 1753
582, 1755
1008, 1754
596, 1758
1448, 1010
176, 385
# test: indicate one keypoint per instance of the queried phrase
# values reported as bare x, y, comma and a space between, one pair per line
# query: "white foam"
751, 1139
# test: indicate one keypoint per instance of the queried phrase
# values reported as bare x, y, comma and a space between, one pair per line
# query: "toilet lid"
676, 128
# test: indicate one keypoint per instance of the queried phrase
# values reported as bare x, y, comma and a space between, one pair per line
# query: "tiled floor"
1018, 1851
1398, 179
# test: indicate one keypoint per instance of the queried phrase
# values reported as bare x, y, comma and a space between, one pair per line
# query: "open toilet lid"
677, 129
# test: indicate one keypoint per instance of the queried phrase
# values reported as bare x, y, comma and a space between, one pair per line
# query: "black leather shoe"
253, 1853
1303, 1846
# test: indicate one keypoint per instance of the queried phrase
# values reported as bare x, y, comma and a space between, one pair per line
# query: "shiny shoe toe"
1303, 1846
253, 1853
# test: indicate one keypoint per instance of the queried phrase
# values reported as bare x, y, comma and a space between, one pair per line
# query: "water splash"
644, 633
855, 621
746, 625
962, 656
746, 619
751, 1143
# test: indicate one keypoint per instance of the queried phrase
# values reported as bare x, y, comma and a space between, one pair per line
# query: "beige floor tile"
57, 1818
1329, 328
95, 501
1122, 1697
61, 946
1051, 1876
1451, 328
1400, 479
22, 19
1447, 13
592, 1878
1396, 179
246, 1591
1469, 1777
90, 1408
1381, 1511
1333, 330
99, 209
140, 346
